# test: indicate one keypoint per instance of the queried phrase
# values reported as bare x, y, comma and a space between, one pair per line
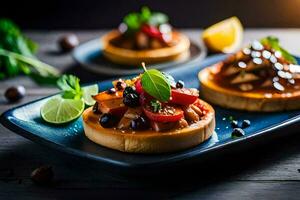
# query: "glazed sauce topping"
258, 68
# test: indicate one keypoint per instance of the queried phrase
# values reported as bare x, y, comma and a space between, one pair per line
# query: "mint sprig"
71, 89
273, 43
156, 84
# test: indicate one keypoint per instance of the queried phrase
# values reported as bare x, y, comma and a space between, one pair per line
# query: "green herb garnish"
70, 86
135, 20
70, 104
156, 84
155, 105
17, 56
273, 42
71, 89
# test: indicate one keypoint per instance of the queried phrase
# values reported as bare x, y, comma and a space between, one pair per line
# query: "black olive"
180, 84
140, 123
246, 123
120, 85
42, 175
129, 90
96, 108
111, 91
14, 94
131, 100
234, 124
237, 132
68, 42
107, 120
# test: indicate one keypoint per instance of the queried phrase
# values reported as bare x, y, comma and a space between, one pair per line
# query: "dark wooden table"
269, 170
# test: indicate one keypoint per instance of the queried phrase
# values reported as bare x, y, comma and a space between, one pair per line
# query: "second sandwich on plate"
260, 77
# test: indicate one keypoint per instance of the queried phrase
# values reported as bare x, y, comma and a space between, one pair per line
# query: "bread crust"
149, 142
119, 55
248, 101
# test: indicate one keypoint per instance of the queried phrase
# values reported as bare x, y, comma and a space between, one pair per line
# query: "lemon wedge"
225, 36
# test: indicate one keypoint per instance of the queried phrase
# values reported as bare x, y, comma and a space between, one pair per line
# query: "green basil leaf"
273, 42
156, 84
145, 14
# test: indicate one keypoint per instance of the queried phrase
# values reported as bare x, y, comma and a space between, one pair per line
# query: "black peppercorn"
140, 123
131, 100
108, 120
42, 175
237, 132
234, 124
180, 84
14, 94
68, 42
246, 123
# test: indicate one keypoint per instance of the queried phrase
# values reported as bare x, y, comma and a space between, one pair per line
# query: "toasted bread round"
180, 51
249, 101
149, 141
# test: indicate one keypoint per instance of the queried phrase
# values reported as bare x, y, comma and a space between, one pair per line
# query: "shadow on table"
73, 172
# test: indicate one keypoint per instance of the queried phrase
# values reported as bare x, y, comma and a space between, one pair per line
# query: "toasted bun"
148, 141
119, 55
245, 100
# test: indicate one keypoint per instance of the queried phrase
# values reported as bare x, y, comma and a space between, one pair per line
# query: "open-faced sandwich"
150, 113
260, 77
145, 37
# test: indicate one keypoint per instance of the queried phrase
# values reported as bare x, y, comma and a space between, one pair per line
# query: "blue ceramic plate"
26, 121
89, 56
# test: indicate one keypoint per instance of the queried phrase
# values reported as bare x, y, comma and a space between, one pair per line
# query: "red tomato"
184, 96
152, 31
138, 86
159, 117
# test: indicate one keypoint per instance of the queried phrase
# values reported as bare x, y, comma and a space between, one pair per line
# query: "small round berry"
68, 42
131, 100
237, 132
234, 124
111, 91
246, 123
128, 90
120, 85
14, 94
107, 120
140, 123
180, 84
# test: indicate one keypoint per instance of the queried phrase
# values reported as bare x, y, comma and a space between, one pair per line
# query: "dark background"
96, 14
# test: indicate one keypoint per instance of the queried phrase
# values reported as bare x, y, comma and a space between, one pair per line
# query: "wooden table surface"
266, 171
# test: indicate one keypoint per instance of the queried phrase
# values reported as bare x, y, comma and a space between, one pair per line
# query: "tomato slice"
152, 31
138, 86
160, 117
184, 96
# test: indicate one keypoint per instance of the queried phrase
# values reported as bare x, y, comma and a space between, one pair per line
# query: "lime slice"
87, 93
58, 110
